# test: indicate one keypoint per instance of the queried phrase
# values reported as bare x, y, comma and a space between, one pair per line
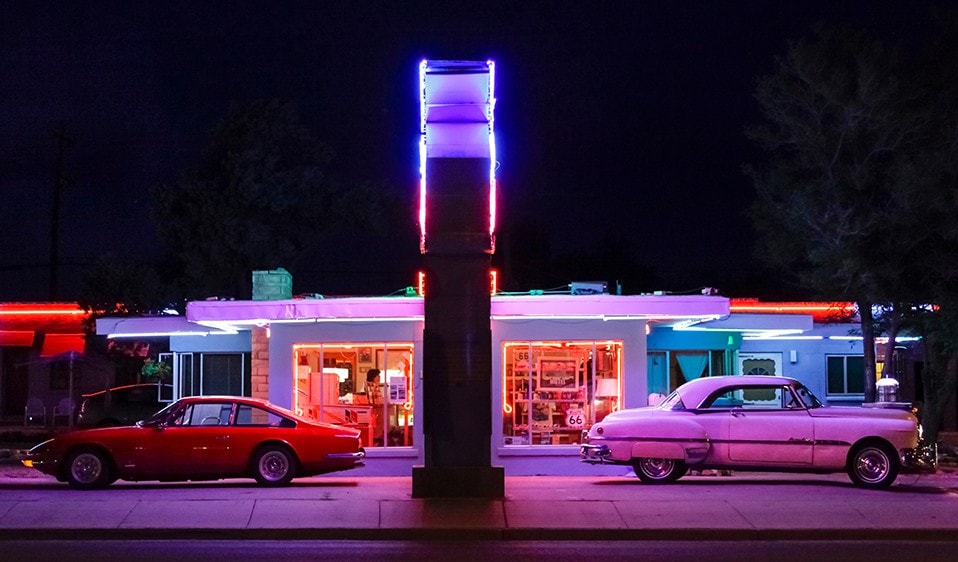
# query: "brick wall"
260, 363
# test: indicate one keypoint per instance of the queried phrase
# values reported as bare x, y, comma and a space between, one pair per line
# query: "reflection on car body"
202, 438
755, 423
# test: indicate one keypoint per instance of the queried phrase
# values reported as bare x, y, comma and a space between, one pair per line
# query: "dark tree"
259, 198
119, 288
843, 127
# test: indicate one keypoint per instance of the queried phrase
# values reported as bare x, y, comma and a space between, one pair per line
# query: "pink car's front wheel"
873, 465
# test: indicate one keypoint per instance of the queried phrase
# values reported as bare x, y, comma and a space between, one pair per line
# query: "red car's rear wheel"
274, 465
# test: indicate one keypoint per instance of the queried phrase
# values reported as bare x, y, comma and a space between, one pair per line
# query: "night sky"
613, 118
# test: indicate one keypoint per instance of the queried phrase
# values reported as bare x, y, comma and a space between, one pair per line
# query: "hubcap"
872, 465
657, 468
86, 468
273, 466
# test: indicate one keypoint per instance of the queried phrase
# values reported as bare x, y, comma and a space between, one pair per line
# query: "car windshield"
672, 402
807, 397
159, 416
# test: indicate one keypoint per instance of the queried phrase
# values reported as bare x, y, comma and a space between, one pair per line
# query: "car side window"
750, 398
765, 397
204, 414
254, 416
140, 395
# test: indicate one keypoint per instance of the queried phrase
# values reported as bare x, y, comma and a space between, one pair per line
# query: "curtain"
692, 364
658, 374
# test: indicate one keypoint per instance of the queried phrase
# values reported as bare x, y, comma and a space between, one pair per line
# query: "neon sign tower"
457, 209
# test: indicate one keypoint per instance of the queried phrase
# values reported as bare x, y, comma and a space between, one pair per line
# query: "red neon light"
493, 282
40, 309
816, 309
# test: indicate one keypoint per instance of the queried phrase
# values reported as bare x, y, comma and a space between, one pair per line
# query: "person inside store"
374, 395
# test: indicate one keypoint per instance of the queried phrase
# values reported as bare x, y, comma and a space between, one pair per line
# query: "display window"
552, 391
368, 386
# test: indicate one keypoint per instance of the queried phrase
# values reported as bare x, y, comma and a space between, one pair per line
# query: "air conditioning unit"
588, 288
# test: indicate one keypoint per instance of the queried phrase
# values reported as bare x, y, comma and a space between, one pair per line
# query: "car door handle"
737, 412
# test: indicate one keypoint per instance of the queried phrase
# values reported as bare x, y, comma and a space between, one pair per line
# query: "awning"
766, 325
152, 327
16, 338
55, 344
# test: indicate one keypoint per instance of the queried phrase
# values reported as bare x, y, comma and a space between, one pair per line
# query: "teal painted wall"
667, 339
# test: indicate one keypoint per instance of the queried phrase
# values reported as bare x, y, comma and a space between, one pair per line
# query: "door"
762, 430
760, 364
195, 443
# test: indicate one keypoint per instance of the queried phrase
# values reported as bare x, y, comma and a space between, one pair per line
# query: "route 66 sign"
575, 418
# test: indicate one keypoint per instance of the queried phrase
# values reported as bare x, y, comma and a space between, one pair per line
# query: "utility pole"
60, 183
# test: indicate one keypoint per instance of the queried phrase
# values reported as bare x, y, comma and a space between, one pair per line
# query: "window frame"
845, 394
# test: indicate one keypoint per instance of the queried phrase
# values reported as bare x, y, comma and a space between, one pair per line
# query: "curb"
473, 534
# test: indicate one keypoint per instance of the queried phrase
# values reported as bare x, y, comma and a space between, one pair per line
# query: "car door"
768, 425
195, 443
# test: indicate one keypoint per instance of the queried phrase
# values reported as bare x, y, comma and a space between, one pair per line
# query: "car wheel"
873, 466
88, 469
659, 471
274, 465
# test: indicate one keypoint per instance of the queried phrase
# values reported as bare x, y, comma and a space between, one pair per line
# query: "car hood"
861, 412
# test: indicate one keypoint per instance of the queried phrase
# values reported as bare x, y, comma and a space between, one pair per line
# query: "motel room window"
668, 370
846, 375
331, 386
554, 390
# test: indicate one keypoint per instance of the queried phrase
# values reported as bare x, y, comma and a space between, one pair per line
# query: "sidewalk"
745, 506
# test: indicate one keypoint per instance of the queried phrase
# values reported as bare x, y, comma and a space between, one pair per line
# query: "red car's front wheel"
88, 469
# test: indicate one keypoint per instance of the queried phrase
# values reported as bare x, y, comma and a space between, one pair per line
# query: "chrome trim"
358, 455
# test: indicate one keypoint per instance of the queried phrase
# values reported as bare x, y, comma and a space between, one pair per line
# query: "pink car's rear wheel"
659, 471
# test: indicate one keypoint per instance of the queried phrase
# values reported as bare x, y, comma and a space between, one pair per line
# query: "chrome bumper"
595, 454
357, 456
923, 458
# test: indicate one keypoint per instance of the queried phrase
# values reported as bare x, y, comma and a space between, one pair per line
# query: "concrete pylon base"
458, 482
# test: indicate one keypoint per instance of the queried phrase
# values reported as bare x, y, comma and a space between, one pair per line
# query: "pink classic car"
759, 423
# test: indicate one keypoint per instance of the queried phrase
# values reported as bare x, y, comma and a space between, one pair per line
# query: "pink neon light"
423, 66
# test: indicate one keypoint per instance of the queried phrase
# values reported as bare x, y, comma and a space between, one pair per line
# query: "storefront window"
554, 390
367, 386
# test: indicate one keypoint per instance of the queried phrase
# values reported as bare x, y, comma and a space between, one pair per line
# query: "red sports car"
202, 438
